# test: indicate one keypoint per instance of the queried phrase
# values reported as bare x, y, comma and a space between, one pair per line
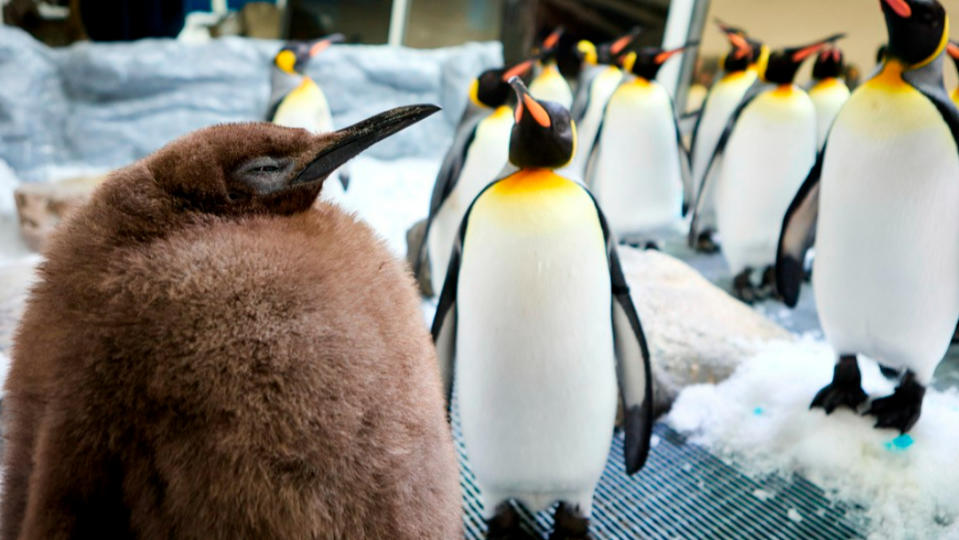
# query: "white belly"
768, 156
550, 85
535, 370
828, 97
721, 104
487, 156
887, 258
601, 89
637, 178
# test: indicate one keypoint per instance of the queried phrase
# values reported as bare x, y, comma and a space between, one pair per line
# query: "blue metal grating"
684, 492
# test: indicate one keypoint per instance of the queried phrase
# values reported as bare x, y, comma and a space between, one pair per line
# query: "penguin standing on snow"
536, 313
639, 169
882, 200
765, 151
953, 49
829, 91
297, 101
477, 156
196, 359
739, 75
549, 84
599, 78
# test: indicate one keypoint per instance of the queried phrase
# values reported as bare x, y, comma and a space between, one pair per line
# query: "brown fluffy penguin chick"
205, 356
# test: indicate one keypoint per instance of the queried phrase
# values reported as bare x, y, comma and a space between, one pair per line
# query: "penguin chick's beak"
900, 7
813, 48
666, 55
324, 43
348, 142
525, 102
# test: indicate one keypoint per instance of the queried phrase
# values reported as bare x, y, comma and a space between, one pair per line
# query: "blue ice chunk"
900, 443
758, 411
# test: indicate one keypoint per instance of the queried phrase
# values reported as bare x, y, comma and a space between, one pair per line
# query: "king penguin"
881, 201
477, 156
297, 101
536, 313
740, 73
549, 84
828, 92
638, 168
953, 49
764, 153
599, 78
207, 354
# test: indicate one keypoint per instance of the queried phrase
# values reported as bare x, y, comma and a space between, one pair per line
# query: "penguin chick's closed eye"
205, 356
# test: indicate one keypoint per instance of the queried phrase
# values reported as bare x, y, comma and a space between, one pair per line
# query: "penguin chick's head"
294, 56
262, 168
543, 135
491, 89
646, 61
918, 30
784, 63
828, 64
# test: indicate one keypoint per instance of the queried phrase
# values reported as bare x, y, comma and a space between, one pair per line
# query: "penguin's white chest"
485, 158
550, 85
535, 368
305, 107
722, 101
601, 88
828, 97
769, 154
887, 243
636, 175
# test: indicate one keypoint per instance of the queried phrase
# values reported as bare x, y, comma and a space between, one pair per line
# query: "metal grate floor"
684, 492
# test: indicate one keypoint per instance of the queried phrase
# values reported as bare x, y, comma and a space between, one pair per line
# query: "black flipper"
798, 233
685, 168
448, 175
751, 94
632, 361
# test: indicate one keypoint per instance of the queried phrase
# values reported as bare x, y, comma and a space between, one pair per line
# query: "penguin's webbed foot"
845, 388
706, 243
569, 524
743, 289
901, 410
507, 525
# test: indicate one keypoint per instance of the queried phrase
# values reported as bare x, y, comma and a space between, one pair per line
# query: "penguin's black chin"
340, 146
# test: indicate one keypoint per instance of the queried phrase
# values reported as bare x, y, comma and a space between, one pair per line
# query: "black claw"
845, 388
900, 410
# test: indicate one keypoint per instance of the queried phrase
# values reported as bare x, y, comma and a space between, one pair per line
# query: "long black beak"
350, 141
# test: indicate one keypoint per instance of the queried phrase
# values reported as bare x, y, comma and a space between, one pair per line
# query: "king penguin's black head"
491, 89
784, 63
543, 135
917, 30
646, 61
828, 64
609, 53
294, 56
741, 50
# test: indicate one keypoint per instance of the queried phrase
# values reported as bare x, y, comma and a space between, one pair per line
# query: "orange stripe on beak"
552, 39
953, 50
804, 53
517, 70
319, 47
666, 55
901, 7
620, 44
537, 110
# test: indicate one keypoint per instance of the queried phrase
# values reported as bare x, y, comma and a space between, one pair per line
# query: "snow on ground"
760, 419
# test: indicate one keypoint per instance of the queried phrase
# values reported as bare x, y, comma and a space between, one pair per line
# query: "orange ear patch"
537, 110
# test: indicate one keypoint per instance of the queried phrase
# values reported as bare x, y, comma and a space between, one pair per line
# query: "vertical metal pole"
398, 13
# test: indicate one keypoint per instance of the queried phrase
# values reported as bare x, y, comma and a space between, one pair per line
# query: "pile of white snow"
759, 419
